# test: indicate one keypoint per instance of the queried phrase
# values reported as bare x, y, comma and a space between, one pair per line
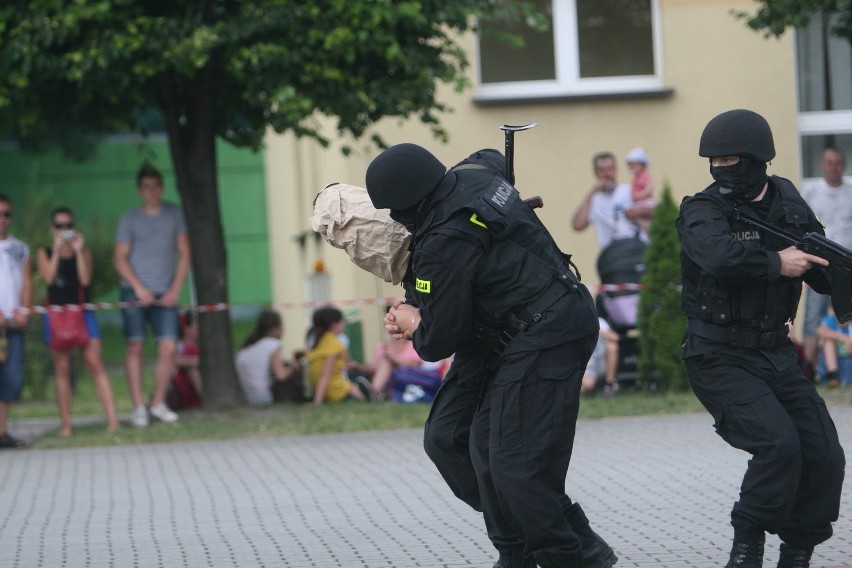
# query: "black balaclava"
414, 216
406, 217
742, 181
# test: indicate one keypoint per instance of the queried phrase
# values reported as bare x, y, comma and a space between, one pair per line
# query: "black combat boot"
513, 558
596, 552
747, 551
794, 557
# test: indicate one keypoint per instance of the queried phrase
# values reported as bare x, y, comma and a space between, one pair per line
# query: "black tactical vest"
756, 303
523, 264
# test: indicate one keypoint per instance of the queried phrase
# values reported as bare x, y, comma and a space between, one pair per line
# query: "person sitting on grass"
259, 363
836, 346
327, 358
185, 389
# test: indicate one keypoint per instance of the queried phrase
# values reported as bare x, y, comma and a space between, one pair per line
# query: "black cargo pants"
447, 440
762, 403
521, 441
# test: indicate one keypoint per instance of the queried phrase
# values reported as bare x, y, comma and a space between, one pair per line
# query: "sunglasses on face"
7, 214
63, 225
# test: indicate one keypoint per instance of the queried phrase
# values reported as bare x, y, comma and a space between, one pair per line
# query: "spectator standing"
608, 206
67, 267
830, 197
327, 358
15, 294
259, 361
836, 350
152, 258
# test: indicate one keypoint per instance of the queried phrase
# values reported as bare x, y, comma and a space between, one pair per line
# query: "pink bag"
68, 327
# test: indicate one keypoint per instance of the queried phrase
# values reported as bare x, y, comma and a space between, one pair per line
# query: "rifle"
839, 262
509, 131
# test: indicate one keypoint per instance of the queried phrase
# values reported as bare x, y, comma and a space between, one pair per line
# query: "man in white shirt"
609, 206
15, 293
830, 197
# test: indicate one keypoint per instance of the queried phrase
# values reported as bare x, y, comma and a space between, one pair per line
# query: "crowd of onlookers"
152, 258
151, 255
622, 212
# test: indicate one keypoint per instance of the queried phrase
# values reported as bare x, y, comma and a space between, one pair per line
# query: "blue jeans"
816, 307
12, 371
844, 368
163, 321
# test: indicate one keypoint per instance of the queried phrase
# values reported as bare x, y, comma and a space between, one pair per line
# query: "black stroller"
620, 267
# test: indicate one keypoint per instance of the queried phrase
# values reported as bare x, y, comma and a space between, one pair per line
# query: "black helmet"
737, 132
402, 176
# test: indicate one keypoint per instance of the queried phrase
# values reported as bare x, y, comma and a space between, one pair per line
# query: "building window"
825, 94
591, 47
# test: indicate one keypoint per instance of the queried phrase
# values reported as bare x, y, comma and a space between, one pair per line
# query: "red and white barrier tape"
220, 307
619, 287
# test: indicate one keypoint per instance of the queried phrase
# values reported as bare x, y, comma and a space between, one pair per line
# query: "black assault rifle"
509, 132
839, 259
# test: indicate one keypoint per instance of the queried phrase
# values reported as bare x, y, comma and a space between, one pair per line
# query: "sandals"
7, 441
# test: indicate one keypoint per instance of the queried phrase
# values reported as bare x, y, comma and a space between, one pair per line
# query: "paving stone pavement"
658, 488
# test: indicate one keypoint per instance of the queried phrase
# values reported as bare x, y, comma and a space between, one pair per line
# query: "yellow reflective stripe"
424, 286
475, 220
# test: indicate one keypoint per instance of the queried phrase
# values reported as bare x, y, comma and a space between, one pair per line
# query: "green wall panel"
105, 186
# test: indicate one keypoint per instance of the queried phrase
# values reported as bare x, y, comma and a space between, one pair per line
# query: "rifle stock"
534, 202
839, 259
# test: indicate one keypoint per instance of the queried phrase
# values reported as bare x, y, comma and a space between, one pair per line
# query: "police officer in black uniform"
487, 283
741, 288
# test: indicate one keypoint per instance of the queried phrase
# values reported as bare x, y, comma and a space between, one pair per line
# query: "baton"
509, 131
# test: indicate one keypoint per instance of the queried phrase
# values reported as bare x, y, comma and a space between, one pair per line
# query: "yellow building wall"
712, 62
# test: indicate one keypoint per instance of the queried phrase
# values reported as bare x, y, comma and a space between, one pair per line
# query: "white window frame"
816, 123
568, 82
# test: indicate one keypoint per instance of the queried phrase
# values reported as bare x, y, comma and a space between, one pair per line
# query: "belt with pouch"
737, 336
521, 321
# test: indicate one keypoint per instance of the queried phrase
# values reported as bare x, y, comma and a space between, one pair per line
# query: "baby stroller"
620, 267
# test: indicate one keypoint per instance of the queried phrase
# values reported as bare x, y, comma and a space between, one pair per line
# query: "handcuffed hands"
402, 320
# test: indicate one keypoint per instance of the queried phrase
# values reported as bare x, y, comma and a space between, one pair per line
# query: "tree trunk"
188, 109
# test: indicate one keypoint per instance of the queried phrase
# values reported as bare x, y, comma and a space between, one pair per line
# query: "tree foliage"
660, 321
73, 70
773, 17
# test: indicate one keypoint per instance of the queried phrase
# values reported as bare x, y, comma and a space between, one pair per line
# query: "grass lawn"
291, 420
288, 420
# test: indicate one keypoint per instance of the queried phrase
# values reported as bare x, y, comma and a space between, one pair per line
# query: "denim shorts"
12, 371
88, 317
163, 321
816, 307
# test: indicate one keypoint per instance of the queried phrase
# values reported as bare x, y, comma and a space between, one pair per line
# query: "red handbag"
68, 326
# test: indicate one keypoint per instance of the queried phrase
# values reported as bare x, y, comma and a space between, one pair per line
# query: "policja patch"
423, 286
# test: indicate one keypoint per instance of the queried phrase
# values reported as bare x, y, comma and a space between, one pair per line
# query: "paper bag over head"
345, 216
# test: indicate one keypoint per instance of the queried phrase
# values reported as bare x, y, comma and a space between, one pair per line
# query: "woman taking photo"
66, 268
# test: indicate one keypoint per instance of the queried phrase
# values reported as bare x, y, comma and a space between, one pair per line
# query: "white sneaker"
163, 413
139, 418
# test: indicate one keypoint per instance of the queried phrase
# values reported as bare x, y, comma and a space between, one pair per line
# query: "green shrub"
660, 321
